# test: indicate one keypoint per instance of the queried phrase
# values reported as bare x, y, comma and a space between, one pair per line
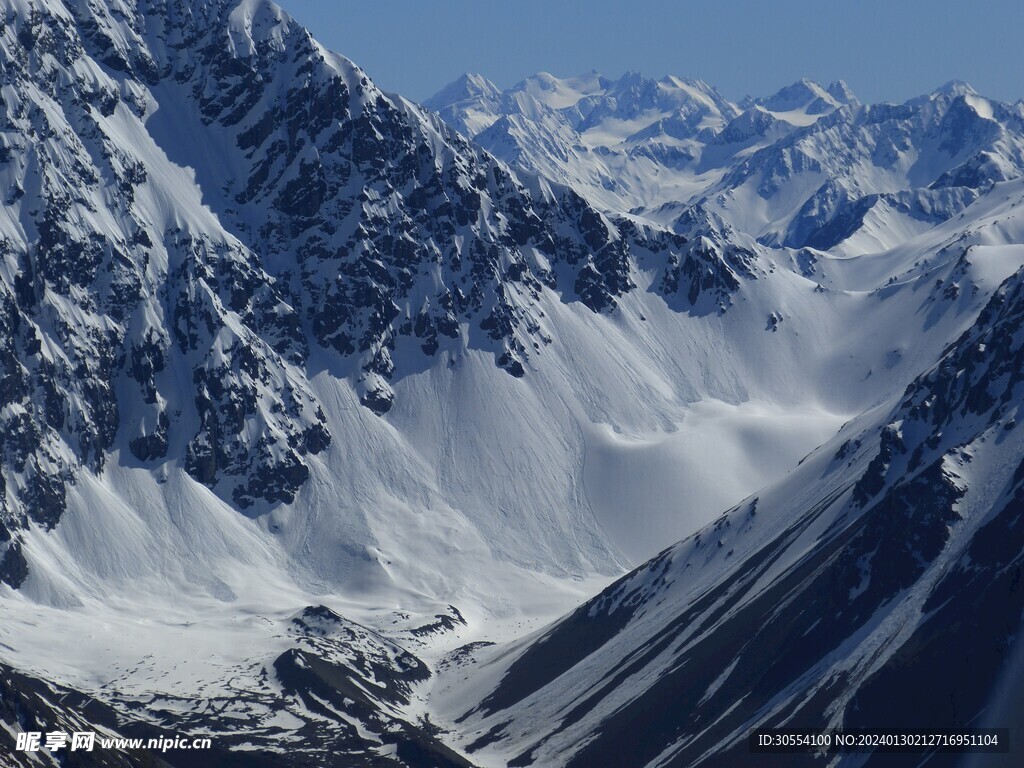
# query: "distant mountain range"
806, 167
586, 423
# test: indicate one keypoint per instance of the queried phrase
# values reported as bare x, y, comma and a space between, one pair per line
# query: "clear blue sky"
885, 49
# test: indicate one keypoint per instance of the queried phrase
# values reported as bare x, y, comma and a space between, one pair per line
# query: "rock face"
198, 196
122, 291
918, 546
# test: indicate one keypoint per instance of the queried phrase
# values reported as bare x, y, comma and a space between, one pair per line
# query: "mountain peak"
955, 88
841, 92
805, 96
799, 91
466, 86
629, 79
686, 83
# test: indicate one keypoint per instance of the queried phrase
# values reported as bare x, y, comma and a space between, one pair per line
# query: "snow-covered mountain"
806, 166
308, 398
621, 143
805, 99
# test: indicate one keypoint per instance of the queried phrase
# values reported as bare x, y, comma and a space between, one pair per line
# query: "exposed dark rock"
13, 566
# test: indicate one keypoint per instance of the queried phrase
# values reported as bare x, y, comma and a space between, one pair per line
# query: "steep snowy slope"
835, 597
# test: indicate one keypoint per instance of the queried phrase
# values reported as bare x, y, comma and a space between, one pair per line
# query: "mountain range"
805, 167
588, 422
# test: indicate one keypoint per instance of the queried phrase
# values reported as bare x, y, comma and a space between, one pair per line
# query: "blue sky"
884, 49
